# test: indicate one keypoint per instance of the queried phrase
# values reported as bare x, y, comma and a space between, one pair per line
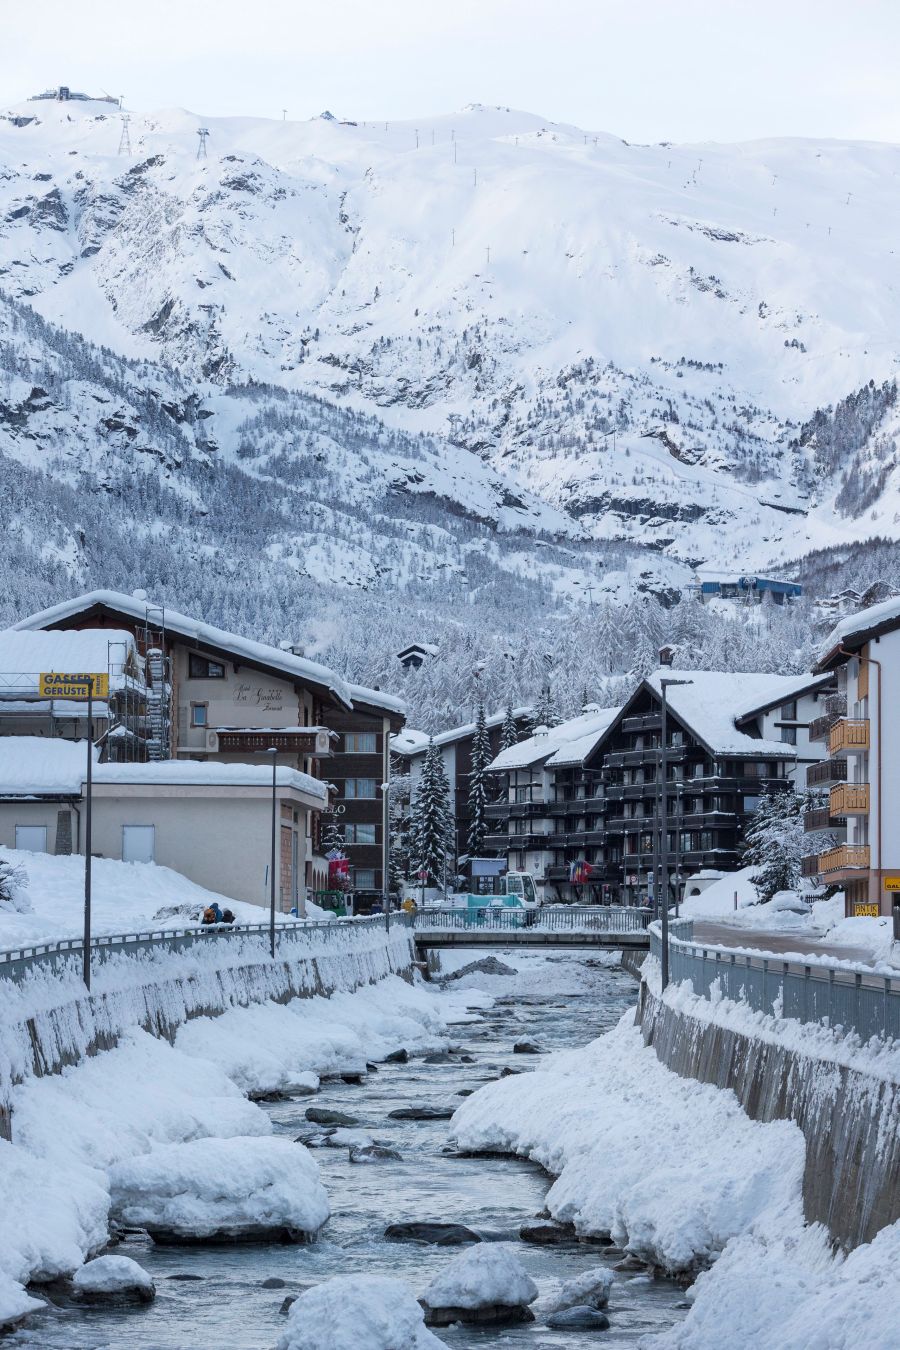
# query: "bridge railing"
849, 998
15, 963
547, 919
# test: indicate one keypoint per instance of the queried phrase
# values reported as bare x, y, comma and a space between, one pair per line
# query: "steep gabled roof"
258, 654
854, 631
556, 745
411, 742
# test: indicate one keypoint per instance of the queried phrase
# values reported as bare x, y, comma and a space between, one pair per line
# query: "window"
355, 833
200, 668
138, 843
31, 838
356, 789
361, 743
751, 803
199, 714
789, 735
364, 878
789, 710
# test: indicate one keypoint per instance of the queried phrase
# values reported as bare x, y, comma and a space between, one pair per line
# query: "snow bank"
125, 897
357, 1312
789, 1292
49, 1218
126, 1102
669, 1167
15, 1303
110, 1275
243, 1187
272, 1047
480, 1277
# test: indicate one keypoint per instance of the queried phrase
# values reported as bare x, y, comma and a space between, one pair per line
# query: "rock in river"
590, 1288
373, 1153
113, 1280
433, 1233
320, 1115
526, 1048
579, 1318
397, 1057
545, 1232
421, 1113
486, 1285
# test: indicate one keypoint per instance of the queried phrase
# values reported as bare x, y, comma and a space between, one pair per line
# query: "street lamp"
664, 685
274, 753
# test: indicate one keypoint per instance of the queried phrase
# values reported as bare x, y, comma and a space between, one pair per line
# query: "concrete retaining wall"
49, 1020
850, 1120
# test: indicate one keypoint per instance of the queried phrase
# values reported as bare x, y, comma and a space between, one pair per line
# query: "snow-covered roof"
194, 630
427, 649
38, 765
412, 742
783, 689
713, 699
855, 627
25, 654
360, 693
207, 773
577, 750
546, 745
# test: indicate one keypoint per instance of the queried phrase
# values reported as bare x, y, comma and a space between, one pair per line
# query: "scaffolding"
159, 684
123, 740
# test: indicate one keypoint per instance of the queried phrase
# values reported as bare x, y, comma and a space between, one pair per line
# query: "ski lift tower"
203, 133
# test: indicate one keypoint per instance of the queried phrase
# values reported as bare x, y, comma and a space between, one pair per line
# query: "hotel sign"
59, 684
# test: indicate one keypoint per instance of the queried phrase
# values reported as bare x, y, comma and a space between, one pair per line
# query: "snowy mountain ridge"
596, 340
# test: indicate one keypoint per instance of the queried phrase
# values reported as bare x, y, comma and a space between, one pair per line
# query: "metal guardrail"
850, 999
17, 962
549, 918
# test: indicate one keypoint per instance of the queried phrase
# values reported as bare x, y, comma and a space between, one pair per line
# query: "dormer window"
201, 668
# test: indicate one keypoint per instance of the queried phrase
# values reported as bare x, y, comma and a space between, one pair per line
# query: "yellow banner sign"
73, 684
892, 883
865, 910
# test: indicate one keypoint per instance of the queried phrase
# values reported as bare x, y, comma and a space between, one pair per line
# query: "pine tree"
546, 713
481, 758
332, 835
775, 842
432, 820
509, 732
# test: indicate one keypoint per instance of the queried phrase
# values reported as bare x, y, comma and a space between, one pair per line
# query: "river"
558, 1001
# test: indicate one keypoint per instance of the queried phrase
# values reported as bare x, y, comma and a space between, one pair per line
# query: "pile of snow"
272, 1047
111, 1277
50, 1218
589, 1289
249, 1187
789, 1291
787, 909
873, 935
15, 1303
357, 1312
125, 897
534, 974
482, 1276
128, 1101
668, 1167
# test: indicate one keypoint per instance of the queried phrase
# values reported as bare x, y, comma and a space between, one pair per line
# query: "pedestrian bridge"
611, 927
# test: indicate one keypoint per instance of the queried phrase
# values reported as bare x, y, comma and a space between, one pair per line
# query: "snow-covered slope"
637, 336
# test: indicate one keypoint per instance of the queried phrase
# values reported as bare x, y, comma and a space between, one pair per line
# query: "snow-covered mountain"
558, 331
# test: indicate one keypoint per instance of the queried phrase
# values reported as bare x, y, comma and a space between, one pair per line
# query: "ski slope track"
524, 324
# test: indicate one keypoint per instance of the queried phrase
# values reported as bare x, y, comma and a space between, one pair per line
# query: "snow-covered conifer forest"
492, 383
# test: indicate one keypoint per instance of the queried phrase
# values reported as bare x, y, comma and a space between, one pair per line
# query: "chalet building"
549, 816
581, 803
416, 654
214, 696
859, 731
456, 750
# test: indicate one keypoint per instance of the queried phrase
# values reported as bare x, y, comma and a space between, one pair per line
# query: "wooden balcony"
849, 799
849, 736
821, 818
827, 772
847, 858
809, 867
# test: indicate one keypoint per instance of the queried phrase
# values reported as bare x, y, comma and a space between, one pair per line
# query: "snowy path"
778, 941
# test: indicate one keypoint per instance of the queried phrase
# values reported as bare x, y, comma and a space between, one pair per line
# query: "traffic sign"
59, 684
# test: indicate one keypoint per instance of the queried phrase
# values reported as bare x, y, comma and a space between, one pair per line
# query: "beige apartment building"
860, 778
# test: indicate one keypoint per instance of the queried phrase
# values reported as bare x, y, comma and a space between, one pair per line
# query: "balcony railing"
849, 799
850, 735
835, 707
847, 857
821, 818
827, 772
809, 867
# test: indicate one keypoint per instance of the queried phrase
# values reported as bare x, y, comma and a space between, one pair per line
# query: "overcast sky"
647, 70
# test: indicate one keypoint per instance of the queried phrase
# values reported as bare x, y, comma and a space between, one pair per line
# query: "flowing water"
568, 1001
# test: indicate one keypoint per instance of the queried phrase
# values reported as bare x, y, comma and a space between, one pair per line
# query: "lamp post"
664, 685
86, 954
274, 753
